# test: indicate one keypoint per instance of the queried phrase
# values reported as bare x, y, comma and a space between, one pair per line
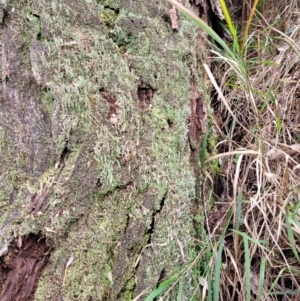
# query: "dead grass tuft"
258, 124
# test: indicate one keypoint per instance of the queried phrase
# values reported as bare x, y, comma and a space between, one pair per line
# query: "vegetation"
98, 177
255, 105
104, 169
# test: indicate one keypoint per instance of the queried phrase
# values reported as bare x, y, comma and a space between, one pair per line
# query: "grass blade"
290, 234
218, 270
230, 24
180, 289
258, 242
248, 26
238, 211
262, 271
247, 268
203, 25
276, 280
209, 289
161, 288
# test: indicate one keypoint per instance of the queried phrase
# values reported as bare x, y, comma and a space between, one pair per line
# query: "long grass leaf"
238, 211
209, 288
290, 234
261, 283
287, 292
204, 26
180, 290
161, 288
258, 242
248, 25
237, 218
218, 267
276, 280
231, 26
247, 268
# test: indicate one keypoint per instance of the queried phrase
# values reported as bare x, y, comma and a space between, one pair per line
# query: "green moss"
212, 142
129, 289
109, 16
129, 170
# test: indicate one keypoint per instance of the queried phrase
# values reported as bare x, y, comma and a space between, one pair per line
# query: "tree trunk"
100, 124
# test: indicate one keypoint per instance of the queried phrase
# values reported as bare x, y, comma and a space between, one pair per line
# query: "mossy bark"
95, 106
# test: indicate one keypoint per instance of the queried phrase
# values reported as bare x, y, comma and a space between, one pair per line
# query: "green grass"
255, 83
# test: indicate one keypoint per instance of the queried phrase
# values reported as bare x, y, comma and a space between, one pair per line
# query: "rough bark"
96, 164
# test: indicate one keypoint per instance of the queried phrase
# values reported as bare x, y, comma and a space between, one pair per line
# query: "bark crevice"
22, 266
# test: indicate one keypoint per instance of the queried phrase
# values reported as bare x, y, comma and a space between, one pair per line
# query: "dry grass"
257, 120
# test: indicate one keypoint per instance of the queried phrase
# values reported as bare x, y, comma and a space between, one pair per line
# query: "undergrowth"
256, 104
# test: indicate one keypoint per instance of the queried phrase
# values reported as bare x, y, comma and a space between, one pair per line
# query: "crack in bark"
154, 214
22, 266
130, 250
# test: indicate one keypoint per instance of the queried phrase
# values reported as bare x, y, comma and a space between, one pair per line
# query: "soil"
22, 266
